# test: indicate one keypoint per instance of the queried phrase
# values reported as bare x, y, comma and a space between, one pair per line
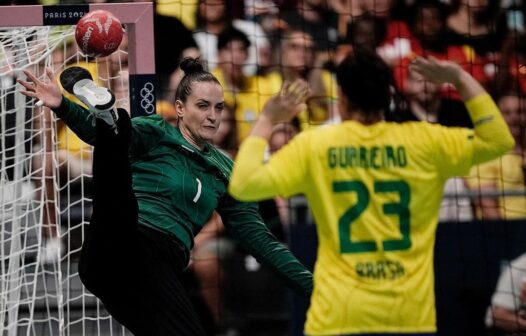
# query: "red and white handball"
98, 33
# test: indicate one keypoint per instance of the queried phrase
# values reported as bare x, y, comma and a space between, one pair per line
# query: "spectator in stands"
374, 189
427, 21
505, 173
377, 26
266, 13
481, 25
299, 60
424, 102
477, 23
512, 56
155, 186
507, 312
390, 16
317, 20
347, 11
213, 17
244, 94
366, 32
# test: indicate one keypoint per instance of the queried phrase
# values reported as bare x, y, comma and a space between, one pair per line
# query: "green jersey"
178, 187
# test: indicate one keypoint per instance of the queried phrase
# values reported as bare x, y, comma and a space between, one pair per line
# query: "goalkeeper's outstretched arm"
49, 94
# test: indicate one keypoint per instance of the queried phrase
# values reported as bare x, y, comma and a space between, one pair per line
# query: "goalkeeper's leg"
109, 251
113, 229
134, 270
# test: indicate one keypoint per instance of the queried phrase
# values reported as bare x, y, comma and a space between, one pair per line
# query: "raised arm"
492, 136
49, 94
251, 179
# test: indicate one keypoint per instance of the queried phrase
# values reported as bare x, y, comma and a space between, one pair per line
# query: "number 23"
401, 209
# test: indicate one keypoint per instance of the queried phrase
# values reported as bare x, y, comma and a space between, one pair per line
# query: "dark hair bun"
191, 65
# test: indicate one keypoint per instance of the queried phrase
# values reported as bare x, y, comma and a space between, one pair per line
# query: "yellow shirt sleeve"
285, 174
453, 154
492, 136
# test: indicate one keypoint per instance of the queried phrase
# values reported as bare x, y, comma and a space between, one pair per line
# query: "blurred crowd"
253, 46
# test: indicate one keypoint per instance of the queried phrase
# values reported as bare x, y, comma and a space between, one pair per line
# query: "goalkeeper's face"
200, 115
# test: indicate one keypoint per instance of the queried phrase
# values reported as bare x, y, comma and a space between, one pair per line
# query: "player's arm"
245, 223
492, 136
251, 179
146, 134
79, 119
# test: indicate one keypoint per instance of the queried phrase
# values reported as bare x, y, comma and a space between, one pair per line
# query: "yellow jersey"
375, 192
504, 173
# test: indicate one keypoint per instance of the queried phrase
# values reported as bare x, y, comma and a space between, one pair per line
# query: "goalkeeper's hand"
47, 93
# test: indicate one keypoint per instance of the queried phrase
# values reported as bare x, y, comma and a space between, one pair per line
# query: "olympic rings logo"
147, 98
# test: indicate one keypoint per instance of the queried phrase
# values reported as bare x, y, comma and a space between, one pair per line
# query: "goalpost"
45, 170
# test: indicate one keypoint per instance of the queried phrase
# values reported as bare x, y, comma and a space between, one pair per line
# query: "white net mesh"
44, 191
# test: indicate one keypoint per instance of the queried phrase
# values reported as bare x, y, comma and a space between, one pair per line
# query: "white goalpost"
45, 171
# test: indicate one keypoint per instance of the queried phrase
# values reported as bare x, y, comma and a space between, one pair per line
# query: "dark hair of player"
366, 81
193, 72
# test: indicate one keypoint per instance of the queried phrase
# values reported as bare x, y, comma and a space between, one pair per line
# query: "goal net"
45, 170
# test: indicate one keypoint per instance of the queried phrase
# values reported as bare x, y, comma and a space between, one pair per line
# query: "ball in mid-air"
98, 33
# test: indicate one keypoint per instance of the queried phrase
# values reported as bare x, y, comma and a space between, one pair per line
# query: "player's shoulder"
154, 120
220, 154
151, 124
221, 157
220, 160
